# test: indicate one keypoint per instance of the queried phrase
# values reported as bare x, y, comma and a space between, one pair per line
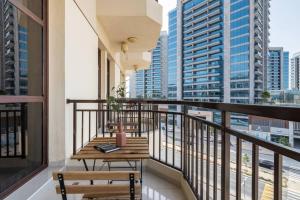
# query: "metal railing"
200, 149
12, 133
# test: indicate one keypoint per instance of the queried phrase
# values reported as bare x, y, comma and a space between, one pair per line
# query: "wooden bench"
131, 190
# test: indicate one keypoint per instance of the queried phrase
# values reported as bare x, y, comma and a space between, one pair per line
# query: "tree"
265, 96
284, 141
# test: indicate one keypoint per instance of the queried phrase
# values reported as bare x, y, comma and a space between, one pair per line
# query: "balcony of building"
195, 151
191, 152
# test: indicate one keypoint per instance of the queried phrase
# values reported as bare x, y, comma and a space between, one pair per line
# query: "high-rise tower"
278, 69
295, 71
152, 82
224, 49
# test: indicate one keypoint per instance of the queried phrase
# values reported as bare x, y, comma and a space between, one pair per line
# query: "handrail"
277, 112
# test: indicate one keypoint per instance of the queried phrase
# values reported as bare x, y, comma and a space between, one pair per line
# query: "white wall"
81, 64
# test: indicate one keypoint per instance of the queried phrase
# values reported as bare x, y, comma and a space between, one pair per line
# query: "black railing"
12, 133
213, 157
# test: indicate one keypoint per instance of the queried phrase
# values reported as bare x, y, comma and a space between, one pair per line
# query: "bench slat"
110, 196
97, 175
98, 189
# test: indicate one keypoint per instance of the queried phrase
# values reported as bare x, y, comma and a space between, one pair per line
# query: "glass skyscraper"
151, 83
278, 69
224, 49
202, 51
172, 55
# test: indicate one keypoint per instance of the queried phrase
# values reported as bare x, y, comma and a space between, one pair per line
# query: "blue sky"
285, 22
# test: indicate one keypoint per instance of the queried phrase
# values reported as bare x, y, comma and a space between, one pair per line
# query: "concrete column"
179, 50
226, 83
57, 103
103, 91
251, 59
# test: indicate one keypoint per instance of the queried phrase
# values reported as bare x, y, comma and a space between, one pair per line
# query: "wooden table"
137, 148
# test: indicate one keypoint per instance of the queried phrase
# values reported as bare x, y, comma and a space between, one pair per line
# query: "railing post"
23, 128
225, 168
277, 176
140, 119
184, 153
74, 127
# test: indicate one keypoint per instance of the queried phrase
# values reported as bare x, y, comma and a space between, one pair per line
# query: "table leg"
141, 168
141, 178
87, 169
85, 165
94, 164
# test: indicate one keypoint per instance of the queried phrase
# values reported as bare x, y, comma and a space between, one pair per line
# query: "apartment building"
77, 51
295, 71
152, 82
278, 69
224, 50
172, 54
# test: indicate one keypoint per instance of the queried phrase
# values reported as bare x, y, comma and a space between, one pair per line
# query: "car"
266, 164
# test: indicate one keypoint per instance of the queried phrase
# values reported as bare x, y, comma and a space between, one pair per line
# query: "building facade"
152, 82
224, 50
295, 71
14, 80
172, 55
278, 69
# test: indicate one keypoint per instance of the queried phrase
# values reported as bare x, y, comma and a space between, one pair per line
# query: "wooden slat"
97, 175
99, 189
115, 152
92, 144
136, 148
128, 138
113, 196
114, 140
88, 148
120, 160
110, 156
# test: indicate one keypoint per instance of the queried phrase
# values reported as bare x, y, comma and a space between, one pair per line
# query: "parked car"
266, 164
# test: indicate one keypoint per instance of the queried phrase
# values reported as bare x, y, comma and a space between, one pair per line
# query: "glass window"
22, 75
24, 57
21, 138
35, 6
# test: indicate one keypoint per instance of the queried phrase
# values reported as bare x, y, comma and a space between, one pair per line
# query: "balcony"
187, 149
141, 19
132, 61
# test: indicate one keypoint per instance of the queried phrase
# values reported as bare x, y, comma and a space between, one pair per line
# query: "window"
23, 91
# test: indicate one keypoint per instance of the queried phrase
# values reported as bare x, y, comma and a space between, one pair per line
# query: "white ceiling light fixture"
132, 39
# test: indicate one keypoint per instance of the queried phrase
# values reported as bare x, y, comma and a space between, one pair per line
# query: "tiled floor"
154, 188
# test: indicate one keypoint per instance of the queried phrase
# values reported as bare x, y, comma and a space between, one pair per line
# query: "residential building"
278, 69
152, 82
295, 71
291, 97
224, 58
15, 56
272, 129
132, 85
77, 52
286, 70
172, 55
